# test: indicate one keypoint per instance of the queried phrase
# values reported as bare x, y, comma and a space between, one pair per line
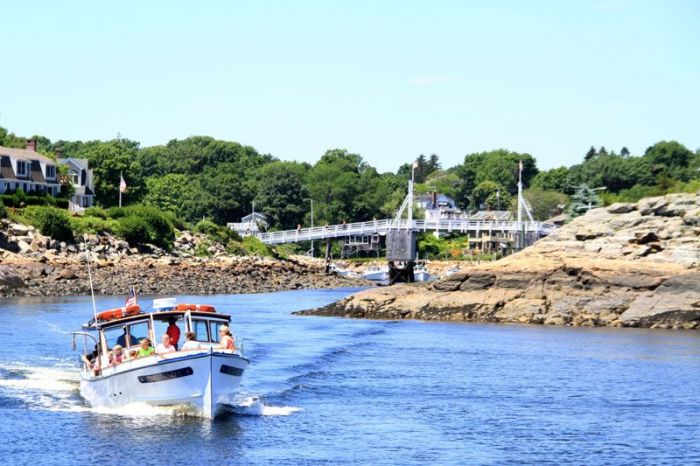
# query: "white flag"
122, 184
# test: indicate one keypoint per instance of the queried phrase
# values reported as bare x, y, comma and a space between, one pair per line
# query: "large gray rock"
676, 301
621, 208
17, 229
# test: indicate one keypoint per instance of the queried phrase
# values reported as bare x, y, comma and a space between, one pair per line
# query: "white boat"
204, 379
421, 274
376, 273
338, 270
451, 271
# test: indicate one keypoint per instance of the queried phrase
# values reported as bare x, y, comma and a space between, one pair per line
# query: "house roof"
256, 216
35, 173
81, 163
6, 171
24, 154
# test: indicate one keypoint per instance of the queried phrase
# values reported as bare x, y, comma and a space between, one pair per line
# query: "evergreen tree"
625, 152
590, 154
583, 200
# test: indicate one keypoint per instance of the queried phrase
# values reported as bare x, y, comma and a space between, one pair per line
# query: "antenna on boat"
92, 290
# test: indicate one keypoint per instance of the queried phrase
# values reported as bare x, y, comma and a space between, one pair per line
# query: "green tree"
670, 158
281, 193
545, 204
590, 154
491, 195
584, 199
499, 166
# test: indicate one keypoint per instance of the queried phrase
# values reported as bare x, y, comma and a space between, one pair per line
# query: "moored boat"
421, 274
376, 273
204, 376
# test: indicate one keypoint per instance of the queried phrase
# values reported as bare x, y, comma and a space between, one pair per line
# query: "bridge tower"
401, 240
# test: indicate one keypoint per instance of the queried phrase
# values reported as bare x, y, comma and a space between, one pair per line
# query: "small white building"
81, 177
250, 224
28, 170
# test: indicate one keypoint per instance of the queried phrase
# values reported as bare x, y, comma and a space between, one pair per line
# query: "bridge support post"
328, 256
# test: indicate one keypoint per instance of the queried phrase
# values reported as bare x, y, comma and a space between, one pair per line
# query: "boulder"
621, 208
17, 229
24, 247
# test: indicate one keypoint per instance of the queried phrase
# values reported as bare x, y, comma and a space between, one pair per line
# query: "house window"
21, 168
51, 172
74, 178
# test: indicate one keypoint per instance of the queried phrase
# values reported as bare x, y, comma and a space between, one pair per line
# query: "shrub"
216, 232
134, 230
160, 224
256, 247
90, 224
50, 221
3, 211
96, 212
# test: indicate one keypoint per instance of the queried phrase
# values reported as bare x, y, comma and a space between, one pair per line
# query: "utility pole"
312, 224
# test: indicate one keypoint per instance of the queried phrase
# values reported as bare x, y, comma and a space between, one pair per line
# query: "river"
333, 391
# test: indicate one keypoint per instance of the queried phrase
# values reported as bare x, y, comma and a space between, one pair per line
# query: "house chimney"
434, 193
31, 145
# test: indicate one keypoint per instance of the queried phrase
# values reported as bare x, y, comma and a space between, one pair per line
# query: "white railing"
382, 226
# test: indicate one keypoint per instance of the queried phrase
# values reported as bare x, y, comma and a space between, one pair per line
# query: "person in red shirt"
173, 332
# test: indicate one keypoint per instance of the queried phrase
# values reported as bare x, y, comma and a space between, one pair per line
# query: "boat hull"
206, 380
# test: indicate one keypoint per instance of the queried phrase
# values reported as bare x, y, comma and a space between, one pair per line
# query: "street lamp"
312, 223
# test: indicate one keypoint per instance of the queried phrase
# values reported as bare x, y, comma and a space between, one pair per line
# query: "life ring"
118, 313
195, 307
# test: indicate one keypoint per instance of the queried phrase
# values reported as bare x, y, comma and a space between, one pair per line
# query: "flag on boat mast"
131, 298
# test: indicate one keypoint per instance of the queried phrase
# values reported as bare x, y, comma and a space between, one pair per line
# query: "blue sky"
386, 79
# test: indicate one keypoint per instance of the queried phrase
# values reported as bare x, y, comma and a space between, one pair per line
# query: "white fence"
382, 226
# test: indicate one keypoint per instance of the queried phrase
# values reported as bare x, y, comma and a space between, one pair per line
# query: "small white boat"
338, 270
376, 273
421, 274
451, 271
205, 378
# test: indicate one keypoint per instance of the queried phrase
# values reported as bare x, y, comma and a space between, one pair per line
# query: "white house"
28, 170
438, 207
251, 223
81, 177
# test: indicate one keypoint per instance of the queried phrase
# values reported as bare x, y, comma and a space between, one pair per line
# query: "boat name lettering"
230, 370
184, 372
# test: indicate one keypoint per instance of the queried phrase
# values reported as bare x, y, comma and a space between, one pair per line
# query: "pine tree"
625, 152
590, 154
583, 200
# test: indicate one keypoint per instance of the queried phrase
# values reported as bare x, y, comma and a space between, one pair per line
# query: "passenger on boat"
146, 349
173, 332
122, 339
190, 343
226, 341
92, 360
117, 355
165, 346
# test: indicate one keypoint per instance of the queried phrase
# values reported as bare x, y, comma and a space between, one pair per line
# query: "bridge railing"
382, 226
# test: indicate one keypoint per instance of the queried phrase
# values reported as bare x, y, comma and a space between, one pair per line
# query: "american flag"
122, 184
131, 298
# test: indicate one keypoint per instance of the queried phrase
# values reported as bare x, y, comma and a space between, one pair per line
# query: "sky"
386, 79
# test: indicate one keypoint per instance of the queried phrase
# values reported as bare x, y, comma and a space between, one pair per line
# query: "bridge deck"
382, 226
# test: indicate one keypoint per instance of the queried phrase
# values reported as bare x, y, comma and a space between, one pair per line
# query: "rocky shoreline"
628, 265
32, 264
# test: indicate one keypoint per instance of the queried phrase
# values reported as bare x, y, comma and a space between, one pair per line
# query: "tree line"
202, 177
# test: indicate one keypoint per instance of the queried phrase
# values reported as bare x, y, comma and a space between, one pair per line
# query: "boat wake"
58, 389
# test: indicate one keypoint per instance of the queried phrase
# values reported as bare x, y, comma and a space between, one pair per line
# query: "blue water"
335, 391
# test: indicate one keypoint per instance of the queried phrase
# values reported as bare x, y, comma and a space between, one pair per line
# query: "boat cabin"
128, 326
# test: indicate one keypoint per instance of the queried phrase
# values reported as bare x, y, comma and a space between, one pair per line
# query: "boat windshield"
126, 335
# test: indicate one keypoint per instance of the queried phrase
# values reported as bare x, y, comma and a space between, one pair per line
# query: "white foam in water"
250, 405
56, 389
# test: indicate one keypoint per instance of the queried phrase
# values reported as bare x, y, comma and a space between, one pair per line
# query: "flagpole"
120, 188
